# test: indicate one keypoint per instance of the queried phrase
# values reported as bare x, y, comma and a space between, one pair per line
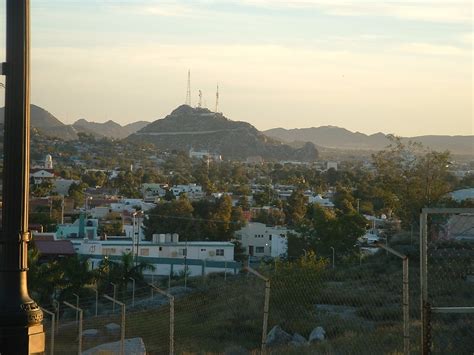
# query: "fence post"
133, 291
79, 350
122, 325
96, 301
425, 347
77, 305
115, 296
171, 300
225, 270
266, 305
56, 303
53, 326
406, 297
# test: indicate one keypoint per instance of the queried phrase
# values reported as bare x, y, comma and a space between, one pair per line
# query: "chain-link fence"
355, 307
448, 280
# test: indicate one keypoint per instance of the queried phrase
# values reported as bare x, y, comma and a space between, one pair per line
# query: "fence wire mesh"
354, 308
450, 281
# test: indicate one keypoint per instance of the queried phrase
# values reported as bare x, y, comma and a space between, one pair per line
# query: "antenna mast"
217, 99
200, 99
188, 92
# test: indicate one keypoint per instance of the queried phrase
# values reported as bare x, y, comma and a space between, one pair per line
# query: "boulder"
236, 350
318, 334
90, 334
277, 336
133, 346
112, 328
298, 340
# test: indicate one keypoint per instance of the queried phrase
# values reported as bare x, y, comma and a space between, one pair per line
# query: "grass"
219, 315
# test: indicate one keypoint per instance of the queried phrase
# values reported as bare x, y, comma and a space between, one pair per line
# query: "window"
220, 252
270, 237
145, 252
108, 251
160, 248
260, 250
183, 252
203, 249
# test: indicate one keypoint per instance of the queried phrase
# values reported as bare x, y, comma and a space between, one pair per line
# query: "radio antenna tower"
217, 99
188, 92
200, 99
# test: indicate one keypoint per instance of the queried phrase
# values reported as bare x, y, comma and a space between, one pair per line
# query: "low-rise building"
260, 240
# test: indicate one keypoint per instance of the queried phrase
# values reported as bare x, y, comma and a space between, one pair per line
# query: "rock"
133, 346
298, 340
277, 336
112, 328
318, 334
90, 334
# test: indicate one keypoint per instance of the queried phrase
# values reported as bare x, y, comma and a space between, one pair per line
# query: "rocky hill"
341, 138
108, 129
201, 129
46, 124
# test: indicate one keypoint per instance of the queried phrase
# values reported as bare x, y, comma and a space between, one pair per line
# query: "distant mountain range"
341, 138
198, 128
109, 129
50, 126
201, 129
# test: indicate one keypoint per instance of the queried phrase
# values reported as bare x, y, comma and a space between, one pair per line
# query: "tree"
170, 217
295, 210
120, 272
411, 177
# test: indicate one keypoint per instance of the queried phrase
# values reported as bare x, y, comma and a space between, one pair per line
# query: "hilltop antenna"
217, 98
188, 92
200, 99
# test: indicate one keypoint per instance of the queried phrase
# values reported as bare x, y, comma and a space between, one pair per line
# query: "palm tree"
120, 272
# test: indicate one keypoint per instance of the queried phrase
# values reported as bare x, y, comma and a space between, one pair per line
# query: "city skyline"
400, 67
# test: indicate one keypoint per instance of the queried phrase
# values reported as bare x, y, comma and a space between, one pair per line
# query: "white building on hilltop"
260, 240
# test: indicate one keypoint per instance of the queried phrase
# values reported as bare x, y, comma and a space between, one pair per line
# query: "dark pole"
21, 331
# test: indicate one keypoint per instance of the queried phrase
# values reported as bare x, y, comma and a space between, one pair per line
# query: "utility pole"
21, 329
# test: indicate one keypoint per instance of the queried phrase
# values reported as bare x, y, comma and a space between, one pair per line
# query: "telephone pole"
21, 329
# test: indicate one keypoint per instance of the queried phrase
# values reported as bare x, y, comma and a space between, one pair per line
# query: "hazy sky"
402, 67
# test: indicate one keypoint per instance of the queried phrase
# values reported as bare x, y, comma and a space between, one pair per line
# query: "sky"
403, 67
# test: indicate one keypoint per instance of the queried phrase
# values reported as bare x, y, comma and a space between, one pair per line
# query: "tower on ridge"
188, 92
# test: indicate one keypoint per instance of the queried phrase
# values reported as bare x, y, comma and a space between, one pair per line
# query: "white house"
41, 175
193, 191
321, 201
260, 240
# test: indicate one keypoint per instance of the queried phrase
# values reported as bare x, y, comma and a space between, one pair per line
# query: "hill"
341, 138
108, 129
201, 129
46, 124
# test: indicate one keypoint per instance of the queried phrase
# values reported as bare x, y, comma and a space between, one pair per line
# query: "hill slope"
201, 129
46, 123
336, 137
108, 129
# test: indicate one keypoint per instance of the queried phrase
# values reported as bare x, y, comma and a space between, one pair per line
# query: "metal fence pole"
266, 305
53, 329
406, 297
79, 350
133, 291
96, 301
171, 300
115, 296
77, 305
225, 270
122, 325
406, 309
56, 304
425, 349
